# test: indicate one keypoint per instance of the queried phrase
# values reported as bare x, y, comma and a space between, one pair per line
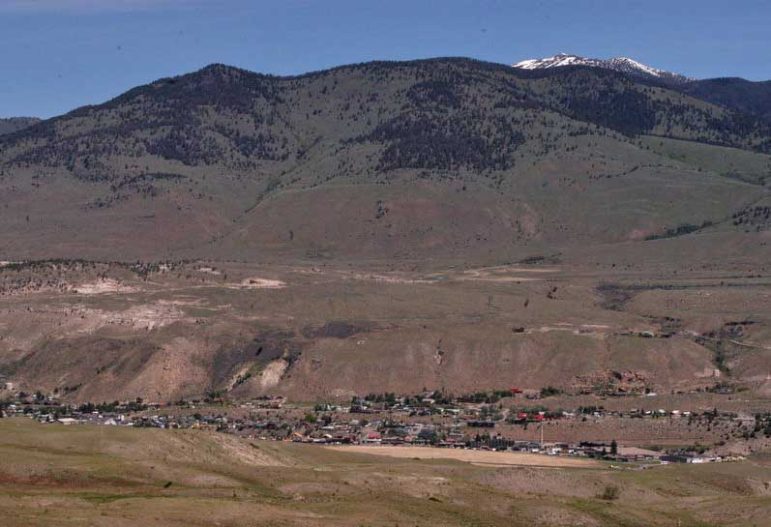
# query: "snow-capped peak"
561, 59
622, 64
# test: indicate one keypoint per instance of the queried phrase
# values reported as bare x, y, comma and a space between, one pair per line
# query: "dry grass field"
103, 476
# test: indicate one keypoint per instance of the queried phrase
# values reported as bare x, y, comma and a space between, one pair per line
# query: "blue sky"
56, 55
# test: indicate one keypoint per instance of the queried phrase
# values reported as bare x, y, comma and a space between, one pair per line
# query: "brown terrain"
577, 238
92, 332
108, 476
450, 159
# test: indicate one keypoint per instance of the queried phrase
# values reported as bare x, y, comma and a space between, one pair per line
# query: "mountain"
14, 124
740, 95
619, 64
745, 96
453, 158
386, 227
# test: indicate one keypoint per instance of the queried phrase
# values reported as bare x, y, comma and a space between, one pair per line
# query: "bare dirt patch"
475, 457
146, 316
255, 282
505, 274
272, 373
101, 287
389, 278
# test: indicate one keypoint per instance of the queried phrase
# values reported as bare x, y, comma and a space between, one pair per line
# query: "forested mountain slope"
451, 157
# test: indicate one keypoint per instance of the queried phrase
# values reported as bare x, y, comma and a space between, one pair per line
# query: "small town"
480, 421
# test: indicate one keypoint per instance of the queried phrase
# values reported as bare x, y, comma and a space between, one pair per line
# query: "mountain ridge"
736, 93
619, 64
230, 163
9, 125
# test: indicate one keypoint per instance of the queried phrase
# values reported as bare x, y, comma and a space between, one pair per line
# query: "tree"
613, 447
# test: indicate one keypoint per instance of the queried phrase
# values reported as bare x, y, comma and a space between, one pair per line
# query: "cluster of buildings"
477, 421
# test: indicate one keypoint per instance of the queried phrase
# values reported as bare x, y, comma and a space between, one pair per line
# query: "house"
372, 438
628, 453
690, 458
67, 421
703, 459
481, 424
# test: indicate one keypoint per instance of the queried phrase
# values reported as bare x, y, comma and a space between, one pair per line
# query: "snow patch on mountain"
621, 64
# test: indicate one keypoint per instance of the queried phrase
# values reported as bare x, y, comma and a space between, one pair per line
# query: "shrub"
610, 493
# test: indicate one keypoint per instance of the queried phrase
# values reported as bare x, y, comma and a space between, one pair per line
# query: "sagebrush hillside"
449, 157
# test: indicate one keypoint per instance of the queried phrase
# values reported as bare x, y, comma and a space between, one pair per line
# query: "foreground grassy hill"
52, 475
451, 158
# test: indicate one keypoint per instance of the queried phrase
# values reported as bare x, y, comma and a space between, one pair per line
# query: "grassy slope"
467, 159
51, 475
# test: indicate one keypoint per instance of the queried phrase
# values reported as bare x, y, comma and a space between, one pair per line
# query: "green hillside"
451, 157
